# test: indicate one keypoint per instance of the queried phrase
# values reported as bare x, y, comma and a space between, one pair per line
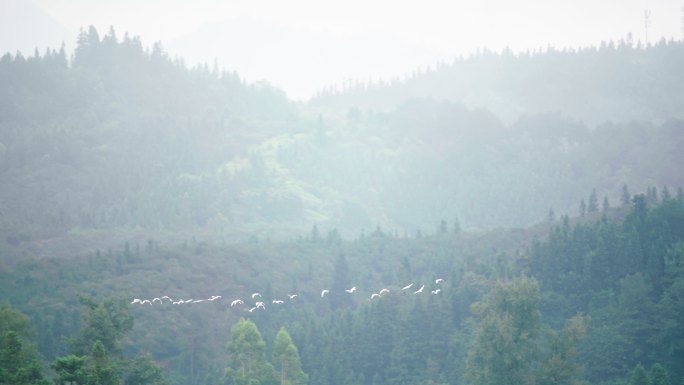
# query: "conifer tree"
99, 370
606, 204
286, 360
70, 370
593, 202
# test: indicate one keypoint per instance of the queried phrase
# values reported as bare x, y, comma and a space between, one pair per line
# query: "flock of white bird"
260, 304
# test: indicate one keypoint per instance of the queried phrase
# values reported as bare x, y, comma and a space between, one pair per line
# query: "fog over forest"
259, 193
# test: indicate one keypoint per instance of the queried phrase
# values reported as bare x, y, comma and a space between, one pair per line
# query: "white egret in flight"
382, 291
236, 302
260, 305
353, 289
277, 301
324, 292
146, 301
137, 300
157, 299
439, 280
255, 295
407, 286
419, 290
436, 291
292, 296
374, 295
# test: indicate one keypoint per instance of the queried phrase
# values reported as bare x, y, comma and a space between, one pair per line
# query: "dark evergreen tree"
593, 202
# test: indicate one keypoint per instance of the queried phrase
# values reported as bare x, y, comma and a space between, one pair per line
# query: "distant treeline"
616, 81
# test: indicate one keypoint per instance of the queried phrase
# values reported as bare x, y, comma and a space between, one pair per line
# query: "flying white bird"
382, 291
252, 309
407, 286
324, 292
136, 301
439, 280
214, 297
146, 301
167, 297
236, 302
177, 302
436, 291
277, 301
157, 299
419, 290
260, 305
198, 300
374, 295
292, 296
255, 295
353, 289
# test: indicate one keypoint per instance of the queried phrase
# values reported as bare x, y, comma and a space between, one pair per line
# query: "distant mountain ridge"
618, 82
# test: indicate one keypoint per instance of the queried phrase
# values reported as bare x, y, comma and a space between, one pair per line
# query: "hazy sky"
418, 33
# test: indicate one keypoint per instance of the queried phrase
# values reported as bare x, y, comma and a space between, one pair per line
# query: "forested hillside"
120, 138
595, 299
471, 224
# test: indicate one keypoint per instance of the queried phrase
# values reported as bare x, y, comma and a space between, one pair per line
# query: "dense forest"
119, 138
471, 224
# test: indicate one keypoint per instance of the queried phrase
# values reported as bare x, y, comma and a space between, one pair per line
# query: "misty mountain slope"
124, 138
614, 82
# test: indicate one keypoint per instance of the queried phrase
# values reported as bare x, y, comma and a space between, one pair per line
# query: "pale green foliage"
286, 360
561, 367
504, 348
248, 365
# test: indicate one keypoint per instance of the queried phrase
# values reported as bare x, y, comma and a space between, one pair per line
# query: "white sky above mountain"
303, 45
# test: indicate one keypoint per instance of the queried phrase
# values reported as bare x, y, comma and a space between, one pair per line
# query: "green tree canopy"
504, 348
107, 322
99, 369
246, 348
286, 360
144, 371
